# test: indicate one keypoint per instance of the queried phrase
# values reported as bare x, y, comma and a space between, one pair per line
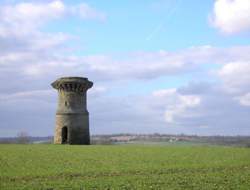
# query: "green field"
124, 167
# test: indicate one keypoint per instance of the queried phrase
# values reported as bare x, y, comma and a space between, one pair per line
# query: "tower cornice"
74, 84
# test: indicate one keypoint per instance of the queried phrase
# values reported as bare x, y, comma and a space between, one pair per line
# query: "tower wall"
72, 117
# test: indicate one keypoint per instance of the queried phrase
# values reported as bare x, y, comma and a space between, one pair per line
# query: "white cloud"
144, 65
244, 100
176, 105
87, 12
25, 17
150, 65
33, 14
164, 92
173, 110
235, 76
21, 23
35, 94
231, 16
97, 91
165, 110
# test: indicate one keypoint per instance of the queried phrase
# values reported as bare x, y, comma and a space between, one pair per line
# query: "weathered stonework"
72, 117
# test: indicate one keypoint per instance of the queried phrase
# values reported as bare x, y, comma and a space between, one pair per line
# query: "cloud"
235, 76
34, 65
236, 81
35, 94
142, 65
218, 110
21, 24
87, 12
176, 104
33, 14
150, 65
39, 68
27, 52
244, 100
182, 110
231, 16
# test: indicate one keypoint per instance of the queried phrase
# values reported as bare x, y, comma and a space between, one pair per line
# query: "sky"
158, 66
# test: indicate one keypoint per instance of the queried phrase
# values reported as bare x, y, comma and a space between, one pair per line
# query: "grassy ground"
123, 167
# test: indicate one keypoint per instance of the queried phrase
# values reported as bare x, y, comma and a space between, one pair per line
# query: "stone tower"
72, 117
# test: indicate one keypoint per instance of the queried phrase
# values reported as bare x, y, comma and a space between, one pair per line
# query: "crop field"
124, 167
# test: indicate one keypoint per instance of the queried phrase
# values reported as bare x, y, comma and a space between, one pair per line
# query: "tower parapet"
72, 117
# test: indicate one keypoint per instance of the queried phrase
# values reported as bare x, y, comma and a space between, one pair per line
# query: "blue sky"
146, 26
167, 66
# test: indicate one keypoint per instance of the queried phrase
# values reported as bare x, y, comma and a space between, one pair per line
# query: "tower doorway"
64, 135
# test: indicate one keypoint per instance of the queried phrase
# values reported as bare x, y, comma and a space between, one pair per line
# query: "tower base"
72, 129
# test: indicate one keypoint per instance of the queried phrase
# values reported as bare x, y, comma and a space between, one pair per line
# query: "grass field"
123, 167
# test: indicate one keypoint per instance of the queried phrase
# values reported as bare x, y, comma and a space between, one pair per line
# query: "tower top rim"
82, 80
73, 78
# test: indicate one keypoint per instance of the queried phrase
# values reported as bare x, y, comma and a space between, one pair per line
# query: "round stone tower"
72, 117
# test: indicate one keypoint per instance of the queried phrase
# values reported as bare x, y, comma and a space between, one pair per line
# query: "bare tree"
23, 138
